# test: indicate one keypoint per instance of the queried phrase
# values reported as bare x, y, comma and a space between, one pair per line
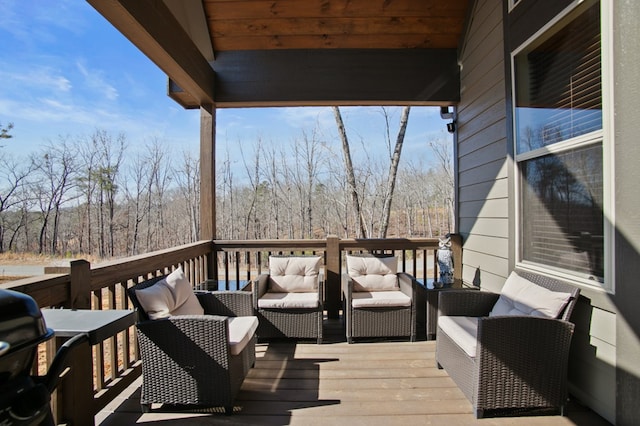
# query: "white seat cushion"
272, 300
291, 274
462, 330
379, 299
172, 295
241, 330
373, 273
520, 296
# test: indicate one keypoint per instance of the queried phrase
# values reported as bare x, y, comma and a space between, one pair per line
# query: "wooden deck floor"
366, 383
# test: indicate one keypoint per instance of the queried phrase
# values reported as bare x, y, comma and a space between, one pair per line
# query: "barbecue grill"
24, 398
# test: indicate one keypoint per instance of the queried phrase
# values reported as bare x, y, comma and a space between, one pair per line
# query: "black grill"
24, 398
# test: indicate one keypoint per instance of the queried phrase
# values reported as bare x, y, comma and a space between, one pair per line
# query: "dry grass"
12, 258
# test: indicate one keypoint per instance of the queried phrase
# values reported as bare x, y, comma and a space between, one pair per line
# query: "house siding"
604, 369
626, 62
482, 165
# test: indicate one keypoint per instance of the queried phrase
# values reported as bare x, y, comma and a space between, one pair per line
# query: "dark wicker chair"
290, 321
520, 361
186, 359
379, 321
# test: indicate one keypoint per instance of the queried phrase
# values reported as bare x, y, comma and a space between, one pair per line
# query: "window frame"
605, 136
513, 4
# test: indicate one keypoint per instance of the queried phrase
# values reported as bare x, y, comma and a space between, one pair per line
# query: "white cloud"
94, 80
304, 117
39, 77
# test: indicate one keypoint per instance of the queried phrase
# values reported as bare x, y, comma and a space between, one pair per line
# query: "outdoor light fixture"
451, 127
445, 114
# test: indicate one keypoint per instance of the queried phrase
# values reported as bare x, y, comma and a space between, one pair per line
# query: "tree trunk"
393, 171
351, 177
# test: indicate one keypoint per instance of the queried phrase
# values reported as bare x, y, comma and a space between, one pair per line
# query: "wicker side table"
432, 292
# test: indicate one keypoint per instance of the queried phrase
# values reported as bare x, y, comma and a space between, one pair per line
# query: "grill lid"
21, 322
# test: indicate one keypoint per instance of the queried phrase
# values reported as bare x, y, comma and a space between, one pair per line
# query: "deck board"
369, 383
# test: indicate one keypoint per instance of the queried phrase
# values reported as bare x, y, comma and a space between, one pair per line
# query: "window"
559, 147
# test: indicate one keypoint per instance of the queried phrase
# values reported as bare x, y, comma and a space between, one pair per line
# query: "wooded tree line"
312, 189
96, 195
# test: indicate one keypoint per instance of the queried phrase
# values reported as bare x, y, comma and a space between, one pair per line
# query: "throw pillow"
294, 274
520, 296
373, 273
172, 295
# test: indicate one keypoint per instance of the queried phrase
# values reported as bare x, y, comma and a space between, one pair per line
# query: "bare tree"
444, 180
307, 166
159, 179
13, 174
110, 153
135, 193
393, 168
275, 179
253, 174
351, 177
5, 131
188, 179
56, 168
87, 183
225, 208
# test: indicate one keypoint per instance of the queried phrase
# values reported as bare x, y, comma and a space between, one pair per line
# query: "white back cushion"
520, 296
172, 295
294, 274
373, 273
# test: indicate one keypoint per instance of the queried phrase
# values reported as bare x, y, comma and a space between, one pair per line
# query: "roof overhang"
347, 52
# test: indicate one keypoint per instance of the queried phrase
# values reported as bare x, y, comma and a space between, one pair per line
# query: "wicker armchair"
378, 301
289, 299
196, 360
514, 362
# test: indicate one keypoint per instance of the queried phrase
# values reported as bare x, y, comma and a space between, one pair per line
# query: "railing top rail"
233, 245
389, 243
47, 290
135, 266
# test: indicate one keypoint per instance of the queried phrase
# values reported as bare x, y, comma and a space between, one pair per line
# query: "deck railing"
220, 264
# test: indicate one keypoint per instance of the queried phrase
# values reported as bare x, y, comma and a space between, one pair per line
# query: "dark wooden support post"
80, 295
333, 294
76, 388
76, 403
208, 182
456, 248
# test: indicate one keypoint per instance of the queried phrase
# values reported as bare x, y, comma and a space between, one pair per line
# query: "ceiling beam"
150, 26
337, 77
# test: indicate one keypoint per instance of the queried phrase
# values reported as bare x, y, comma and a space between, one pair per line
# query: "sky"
66, 72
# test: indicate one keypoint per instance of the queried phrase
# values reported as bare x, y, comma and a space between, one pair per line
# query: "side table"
431, 293
78, 406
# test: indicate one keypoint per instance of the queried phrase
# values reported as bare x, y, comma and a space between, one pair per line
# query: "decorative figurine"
445, 261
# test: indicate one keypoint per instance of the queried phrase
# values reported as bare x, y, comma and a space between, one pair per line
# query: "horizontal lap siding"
483, 208
592, 363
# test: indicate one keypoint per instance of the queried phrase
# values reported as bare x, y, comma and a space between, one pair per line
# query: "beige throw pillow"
373, 273
294, 274
172, 295
520, 296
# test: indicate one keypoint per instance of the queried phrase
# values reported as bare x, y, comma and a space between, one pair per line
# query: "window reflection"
559, 88
562, 213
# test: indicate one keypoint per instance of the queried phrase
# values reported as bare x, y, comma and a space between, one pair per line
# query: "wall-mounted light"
451, 127
445, 114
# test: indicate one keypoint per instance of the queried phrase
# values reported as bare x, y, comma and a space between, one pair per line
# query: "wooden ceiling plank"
347, 26
333, 8
150, 26
403, 41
